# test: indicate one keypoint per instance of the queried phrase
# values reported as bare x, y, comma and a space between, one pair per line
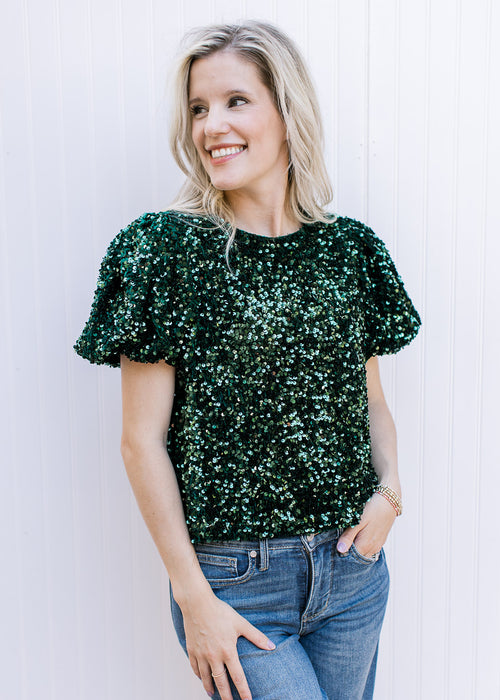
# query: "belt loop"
264, 554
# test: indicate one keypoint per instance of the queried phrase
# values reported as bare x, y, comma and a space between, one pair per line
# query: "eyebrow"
228, 93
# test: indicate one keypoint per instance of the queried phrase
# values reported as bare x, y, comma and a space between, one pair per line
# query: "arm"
212, 627
378, 515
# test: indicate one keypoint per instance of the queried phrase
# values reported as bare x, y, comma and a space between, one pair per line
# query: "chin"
224, 185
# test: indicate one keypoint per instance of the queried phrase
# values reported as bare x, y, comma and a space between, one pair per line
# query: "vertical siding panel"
487, 681
351, 100
366, 111
393, 616
290, 18
322, 48
166, 31
438, 331
471, 101
479, 404
336, 107
424, 243
380, 127
479, 670
51, 358
67, 644
11, 640
262, 9
228, 11
27, 400
451, 385
198, 13
410, 188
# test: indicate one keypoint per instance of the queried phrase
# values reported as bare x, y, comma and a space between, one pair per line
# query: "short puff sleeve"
390, 319
131, 313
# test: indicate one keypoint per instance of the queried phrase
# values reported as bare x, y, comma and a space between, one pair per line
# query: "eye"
196, 110
233, 102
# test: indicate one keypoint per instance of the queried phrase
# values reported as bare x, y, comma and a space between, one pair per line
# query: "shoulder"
148, 230
356, 234
169, 225
153, 234
353, 240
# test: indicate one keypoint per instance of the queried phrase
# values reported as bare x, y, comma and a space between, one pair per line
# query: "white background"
409, 94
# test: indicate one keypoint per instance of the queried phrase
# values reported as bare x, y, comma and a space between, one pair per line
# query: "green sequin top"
269, 433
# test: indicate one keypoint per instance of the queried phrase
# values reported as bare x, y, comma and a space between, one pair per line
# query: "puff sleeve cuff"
132, 310
390, 319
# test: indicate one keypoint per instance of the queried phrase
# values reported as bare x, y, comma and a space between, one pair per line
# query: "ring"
216, 675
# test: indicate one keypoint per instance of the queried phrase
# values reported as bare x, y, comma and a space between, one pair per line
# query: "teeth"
221, 152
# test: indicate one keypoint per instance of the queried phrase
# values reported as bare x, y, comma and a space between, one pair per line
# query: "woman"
247, 323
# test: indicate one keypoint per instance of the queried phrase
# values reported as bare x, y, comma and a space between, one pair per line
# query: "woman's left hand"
371, 533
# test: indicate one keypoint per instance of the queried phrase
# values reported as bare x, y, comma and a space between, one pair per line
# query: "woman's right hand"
212, 628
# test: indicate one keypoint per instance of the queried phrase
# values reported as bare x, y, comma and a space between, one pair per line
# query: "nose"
216, 122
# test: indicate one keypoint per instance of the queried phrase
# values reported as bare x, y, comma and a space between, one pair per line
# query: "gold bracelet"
392, 496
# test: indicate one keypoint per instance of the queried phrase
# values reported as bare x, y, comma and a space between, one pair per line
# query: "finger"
194, 665
222, 683
256, 636
238, 677
206, 678
346, 539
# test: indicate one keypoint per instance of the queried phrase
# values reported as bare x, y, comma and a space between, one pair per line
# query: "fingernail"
270, 645
342, 547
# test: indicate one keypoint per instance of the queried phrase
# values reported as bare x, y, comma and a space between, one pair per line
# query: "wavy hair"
283, 71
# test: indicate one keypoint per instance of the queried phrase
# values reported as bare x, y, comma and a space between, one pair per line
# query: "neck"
265, 214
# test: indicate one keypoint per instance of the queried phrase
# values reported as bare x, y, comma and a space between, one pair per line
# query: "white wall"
409, 92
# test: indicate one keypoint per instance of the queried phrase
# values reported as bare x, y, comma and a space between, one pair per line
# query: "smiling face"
236, 127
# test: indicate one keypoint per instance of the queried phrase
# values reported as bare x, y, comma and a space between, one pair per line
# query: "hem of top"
331, 532
404, 342
109, 361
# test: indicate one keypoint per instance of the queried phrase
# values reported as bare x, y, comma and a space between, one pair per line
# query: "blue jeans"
322, 609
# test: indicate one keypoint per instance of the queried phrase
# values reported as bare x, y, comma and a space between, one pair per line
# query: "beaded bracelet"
391, 496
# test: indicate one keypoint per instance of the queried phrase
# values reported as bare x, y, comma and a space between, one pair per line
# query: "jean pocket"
226, 569
354, 555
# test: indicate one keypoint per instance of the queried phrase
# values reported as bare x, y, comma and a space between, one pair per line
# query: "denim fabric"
322, 609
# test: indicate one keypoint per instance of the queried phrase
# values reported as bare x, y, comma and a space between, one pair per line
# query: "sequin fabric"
269, 433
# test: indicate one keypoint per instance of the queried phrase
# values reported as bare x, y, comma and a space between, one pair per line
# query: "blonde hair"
283, 71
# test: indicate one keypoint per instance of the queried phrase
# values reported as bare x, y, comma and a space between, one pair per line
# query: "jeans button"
253, 553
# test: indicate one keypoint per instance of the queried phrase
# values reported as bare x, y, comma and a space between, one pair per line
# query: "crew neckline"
275, 239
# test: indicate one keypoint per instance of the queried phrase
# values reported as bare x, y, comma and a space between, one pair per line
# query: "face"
236, 128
